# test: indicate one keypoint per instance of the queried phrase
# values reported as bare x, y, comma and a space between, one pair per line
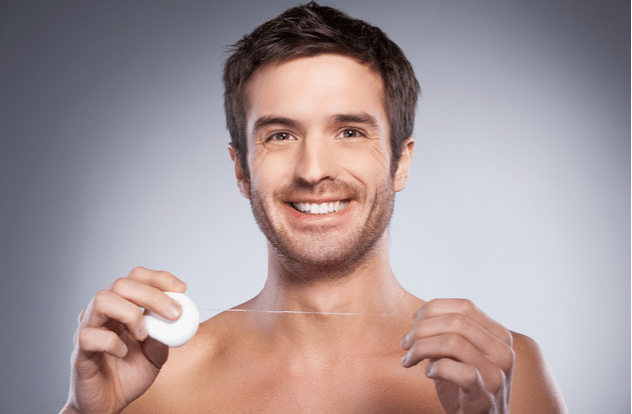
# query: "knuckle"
81, 315
100, 298
130, 315
466, 306
82, 338
163, 274
138, 270
120, 285
507, 358
456, 322
417, 332
428, 310
110, 340
451, 341
159, 298
169, 281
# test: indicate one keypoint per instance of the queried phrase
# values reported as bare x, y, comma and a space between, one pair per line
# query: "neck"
370, 289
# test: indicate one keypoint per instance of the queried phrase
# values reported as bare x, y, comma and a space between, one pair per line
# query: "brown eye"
280, 136
351, 133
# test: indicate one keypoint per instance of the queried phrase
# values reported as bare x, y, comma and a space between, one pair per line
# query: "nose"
317, 160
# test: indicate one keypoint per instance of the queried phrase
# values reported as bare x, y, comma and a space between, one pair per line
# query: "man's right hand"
114, 361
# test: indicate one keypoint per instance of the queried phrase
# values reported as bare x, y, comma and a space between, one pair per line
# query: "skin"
317, 133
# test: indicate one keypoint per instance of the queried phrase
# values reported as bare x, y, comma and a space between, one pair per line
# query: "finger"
100, 340
161, 280
107, 306
83, 311
148, 297
464, 307
456, 348
443, 346
464, 376
497, 351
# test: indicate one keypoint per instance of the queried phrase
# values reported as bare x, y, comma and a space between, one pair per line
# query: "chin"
311, 263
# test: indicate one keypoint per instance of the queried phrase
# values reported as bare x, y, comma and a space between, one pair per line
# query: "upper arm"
534, 389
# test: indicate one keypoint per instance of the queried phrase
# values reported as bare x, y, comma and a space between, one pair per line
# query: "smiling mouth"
320, 208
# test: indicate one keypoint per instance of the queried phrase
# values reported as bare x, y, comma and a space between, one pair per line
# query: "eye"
350, 133
280, 136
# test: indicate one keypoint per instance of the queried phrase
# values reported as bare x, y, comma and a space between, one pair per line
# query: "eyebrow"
359, 118
265, 121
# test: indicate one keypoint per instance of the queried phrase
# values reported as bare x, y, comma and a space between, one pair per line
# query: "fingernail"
143, 331
405, 360
175, 310
430, 369
180, 285
404, 341
122, 351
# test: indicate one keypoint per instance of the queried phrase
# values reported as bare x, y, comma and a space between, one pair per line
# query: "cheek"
267, 171
367, 165
381, 157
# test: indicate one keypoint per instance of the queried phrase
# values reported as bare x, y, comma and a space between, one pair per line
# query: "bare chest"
377, 386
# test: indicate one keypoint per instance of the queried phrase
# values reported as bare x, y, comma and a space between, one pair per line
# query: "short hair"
311, 30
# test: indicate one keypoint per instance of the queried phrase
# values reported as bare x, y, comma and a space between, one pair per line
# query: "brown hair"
310, 30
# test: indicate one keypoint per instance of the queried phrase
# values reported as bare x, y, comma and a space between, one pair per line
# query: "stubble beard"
325, 256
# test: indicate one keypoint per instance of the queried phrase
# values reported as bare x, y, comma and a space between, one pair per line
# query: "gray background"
113, 155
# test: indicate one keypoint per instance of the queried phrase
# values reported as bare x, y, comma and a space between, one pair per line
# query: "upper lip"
319, 200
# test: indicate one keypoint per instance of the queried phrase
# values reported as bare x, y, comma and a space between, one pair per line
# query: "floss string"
307, 312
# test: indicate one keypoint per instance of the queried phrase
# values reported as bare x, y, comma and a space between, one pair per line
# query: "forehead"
311, 87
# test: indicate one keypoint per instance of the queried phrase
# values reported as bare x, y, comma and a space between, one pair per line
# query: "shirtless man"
320, 108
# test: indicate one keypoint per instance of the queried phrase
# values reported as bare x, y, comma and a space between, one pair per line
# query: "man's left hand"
470, 356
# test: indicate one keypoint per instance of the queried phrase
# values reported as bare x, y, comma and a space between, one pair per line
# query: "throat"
369, 289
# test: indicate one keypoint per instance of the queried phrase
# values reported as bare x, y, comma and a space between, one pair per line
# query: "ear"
401, 175
243, 183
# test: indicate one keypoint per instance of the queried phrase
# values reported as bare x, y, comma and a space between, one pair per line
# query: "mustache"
300, 189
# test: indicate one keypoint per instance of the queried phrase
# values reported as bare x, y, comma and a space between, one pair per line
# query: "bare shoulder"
534, 388
187, 369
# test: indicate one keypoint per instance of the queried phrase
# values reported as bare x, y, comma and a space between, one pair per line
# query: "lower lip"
320, 218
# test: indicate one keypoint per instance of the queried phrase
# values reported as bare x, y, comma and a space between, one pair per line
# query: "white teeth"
324, 208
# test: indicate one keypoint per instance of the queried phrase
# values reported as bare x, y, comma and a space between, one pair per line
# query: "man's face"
318, 152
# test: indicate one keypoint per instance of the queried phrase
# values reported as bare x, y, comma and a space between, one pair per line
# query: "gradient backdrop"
113, 155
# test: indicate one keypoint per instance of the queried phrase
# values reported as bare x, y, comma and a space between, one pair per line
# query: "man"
320, 109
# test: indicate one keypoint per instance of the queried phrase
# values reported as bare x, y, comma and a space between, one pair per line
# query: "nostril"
316, 163
314, 173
